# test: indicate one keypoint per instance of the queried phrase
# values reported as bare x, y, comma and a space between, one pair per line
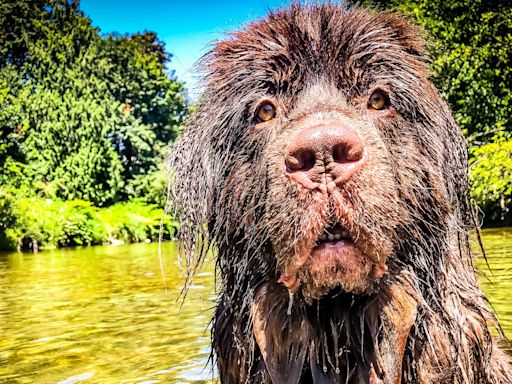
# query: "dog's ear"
191, 187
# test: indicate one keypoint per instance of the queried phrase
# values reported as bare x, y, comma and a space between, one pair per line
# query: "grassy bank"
32, 223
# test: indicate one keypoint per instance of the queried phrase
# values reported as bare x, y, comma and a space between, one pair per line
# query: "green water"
100, 314
497, 282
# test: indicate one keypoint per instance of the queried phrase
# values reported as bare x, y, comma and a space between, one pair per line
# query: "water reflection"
100, 315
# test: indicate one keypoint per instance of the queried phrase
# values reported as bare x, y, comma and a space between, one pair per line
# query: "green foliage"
33, 222
491, 179
150, 188
150, 96
85, 116
12, 131
53, 222
85, 122
135, 221
7, 219
17, 27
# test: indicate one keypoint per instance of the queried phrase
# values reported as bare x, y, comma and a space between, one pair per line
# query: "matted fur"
427, 321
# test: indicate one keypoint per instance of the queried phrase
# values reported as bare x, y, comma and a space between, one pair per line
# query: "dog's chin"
339, 264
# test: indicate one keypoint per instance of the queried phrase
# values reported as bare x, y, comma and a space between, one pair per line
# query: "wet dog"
331, 180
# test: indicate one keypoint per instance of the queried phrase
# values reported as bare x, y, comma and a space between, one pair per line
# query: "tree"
148, 94
67, 122
17, 28
81, 116
491, 178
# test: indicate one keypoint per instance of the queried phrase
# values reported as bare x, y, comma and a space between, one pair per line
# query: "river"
102, 314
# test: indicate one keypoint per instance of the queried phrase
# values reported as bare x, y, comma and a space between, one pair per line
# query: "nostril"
346, 153
300, 161
339, 154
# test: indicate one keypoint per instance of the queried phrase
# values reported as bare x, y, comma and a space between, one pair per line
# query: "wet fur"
427, 321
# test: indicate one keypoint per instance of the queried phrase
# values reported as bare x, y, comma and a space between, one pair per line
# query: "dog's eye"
266, 111
378, 100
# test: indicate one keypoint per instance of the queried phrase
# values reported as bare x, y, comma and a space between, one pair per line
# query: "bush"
491, 179
7, 218
34, 222
150, 188
135, 221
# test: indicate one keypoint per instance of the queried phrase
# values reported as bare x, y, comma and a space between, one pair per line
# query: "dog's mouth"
334, 249
334, 261
333, 233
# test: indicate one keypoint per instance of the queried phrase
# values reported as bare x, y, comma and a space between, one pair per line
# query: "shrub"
491, 179
135, 221
35, 222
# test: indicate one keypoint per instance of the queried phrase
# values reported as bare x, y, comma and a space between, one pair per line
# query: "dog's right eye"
266, 111
378, 100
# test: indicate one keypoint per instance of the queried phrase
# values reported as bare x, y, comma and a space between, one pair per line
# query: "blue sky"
187, 27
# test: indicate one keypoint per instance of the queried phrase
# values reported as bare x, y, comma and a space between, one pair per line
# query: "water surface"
100, 314
497, 281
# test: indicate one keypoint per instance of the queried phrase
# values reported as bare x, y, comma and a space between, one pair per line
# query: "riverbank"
34, 223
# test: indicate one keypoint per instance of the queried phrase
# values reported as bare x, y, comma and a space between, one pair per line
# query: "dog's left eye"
378, 100
265, 112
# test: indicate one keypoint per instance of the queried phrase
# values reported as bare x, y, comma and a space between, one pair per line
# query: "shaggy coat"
411, 311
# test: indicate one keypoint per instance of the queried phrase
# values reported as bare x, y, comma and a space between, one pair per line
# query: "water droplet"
325, 369
290, 303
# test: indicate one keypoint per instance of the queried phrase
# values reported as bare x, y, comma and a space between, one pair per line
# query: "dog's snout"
324, 155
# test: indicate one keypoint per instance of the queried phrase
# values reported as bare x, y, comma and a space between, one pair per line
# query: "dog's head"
320, 149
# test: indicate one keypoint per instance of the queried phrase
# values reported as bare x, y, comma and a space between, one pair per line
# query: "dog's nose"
324, 156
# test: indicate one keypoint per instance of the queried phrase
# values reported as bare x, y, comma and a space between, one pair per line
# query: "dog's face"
319, 147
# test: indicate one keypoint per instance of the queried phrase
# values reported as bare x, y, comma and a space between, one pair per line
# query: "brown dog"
331, 180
